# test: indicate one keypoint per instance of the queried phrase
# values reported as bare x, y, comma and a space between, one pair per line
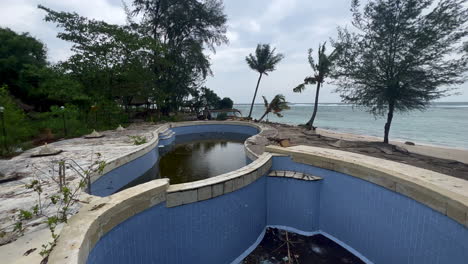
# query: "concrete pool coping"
445, 194
252, 146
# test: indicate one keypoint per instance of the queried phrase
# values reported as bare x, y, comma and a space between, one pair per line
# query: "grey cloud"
293, 26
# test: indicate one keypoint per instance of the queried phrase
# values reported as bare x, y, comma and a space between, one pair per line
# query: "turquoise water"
443, 124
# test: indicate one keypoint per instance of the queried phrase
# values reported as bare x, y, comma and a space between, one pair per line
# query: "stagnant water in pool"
197, 156
202, 159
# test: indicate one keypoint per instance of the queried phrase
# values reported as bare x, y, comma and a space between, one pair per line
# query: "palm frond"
299, 89
310, 80
265, 59
265, 101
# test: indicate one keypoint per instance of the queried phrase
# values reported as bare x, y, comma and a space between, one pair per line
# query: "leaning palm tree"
276, 106
321, 70
264, 61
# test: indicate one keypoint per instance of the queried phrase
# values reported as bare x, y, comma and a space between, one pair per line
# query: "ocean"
444, 124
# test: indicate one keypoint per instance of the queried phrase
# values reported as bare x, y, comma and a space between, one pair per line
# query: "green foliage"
184, 28
210, 98
138, 140
60, 202
59, 120
401, 54
321, 69
21, 55
226, 103
17, 127
59, 88
222, 116
159, 60
277, 105
264, 61
207, 98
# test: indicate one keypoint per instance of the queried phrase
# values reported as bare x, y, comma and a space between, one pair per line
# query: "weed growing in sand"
138, 140
56, 208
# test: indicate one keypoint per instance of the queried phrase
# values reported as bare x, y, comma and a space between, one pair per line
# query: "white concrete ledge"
84, 229
185, 193
252, 148
138, 152
445, 194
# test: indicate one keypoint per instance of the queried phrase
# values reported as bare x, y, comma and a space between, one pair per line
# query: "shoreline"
437, 151
396, 140
440, 126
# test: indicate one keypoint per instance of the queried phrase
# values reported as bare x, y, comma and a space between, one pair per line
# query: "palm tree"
264, 61
320, 71
277, 105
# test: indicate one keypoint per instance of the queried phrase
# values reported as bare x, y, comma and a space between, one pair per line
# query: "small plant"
56, 208
276, 106
138, 140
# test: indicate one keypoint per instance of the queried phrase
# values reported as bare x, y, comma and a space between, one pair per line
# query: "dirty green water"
202, 159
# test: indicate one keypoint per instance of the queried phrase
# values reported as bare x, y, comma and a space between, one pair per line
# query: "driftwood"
283, 142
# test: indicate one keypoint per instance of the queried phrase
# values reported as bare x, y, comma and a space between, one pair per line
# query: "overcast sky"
292, 26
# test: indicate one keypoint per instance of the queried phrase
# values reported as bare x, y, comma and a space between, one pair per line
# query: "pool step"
295, 175
166, 134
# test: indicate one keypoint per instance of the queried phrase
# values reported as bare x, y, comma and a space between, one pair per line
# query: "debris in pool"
316, 249
46, 150
94, 134
282, 247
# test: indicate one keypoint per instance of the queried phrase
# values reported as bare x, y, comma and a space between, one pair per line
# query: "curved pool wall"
122, 176
379, 224
356, 205
376, 224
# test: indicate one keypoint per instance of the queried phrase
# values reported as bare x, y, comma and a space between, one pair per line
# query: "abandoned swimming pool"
381, 211
182, 156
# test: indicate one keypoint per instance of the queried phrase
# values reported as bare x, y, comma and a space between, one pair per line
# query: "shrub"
138, 140
17, 127
221, 116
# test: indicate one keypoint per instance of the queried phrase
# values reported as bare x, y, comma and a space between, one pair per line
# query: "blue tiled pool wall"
384, 226
130, 174
369, 220
199, 129
214, 231
122, 176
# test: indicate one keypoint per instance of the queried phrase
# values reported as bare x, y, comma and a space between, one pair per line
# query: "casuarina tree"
276, 106
321, 70
264, 61
401, 55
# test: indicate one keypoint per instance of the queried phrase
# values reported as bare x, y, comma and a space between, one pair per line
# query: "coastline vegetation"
264, 61
277, 105
401, 55
398, 57
321, 70
151, 68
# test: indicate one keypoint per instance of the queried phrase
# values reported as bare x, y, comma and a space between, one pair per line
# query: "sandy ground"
22, 169
457, 154
445, 160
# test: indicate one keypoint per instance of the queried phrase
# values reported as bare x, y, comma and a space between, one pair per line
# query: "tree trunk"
261, 118
391, 108
255, 95
310, 124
